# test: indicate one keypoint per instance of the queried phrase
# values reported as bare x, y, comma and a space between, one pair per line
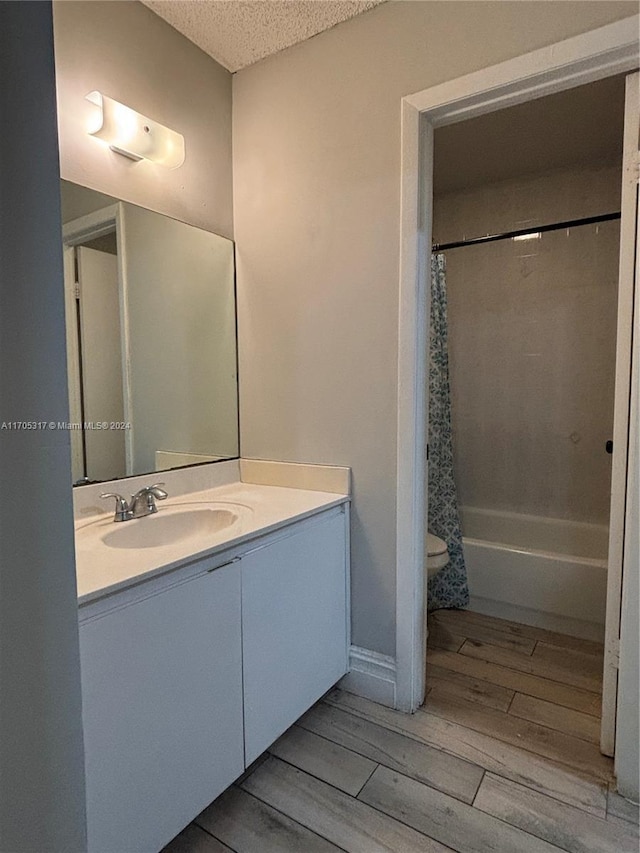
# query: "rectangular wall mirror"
151, 339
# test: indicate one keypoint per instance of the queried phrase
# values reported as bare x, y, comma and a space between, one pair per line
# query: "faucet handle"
157, 492
123, 512
119, 499
147, 491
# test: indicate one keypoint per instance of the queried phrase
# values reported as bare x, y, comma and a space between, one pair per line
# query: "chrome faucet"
141, 504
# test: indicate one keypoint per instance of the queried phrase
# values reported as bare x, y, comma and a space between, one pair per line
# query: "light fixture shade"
134, 135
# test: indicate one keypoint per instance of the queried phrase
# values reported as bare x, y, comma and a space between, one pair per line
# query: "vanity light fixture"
135, 136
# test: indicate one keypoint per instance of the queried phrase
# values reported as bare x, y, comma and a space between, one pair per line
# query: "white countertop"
103, 570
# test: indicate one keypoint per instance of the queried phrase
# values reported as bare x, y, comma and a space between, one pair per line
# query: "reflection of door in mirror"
95, 361
150, 305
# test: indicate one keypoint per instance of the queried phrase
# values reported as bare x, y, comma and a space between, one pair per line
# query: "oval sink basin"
167, 527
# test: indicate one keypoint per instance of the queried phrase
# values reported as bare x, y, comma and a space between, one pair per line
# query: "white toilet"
437, 555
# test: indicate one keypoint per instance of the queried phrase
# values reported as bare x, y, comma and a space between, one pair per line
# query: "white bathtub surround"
557, 568
532, 393
541, 534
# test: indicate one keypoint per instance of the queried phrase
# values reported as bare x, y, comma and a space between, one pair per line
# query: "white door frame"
77, 232
621, 413
600, 53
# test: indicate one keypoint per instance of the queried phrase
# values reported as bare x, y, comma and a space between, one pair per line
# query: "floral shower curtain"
449, 587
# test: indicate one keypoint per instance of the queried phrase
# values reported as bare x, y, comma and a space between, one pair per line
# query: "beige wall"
532, 337
76, 201
316, 140
125, 51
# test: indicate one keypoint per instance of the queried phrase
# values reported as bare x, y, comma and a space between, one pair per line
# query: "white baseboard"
538, 618
371, 675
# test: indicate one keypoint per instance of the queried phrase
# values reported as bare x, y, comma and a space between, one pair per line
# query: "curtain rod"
556, 226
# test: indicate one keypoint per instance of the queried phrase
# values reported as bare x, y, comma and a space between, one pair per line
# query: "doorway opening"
95, 369
604, 53
526, 229
97, 347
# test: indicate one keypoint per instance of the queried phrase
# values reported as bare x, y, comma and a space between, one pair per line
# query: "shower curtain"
449, 587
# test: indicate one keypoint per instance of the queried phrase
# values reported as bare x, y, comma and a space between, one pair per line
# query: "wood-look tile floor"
502, 757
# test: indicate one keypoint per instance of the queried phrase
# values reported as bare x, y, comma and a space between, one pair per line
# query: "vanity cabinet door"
294, 626
162, 711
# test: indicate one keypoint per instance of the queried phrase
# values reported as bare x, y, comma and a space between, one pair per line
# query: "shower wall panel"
532, 346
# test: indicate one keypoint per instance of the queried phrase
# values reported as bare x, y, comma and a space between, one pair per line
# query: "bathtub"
546, 566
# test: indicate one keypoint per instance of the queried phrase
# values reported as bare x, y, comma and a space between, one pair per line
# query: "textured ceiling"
237, 33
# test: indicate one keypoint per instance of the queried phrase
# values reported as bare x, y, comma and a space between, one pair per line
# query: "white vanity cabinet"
294, 625
189, 676
162, 709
